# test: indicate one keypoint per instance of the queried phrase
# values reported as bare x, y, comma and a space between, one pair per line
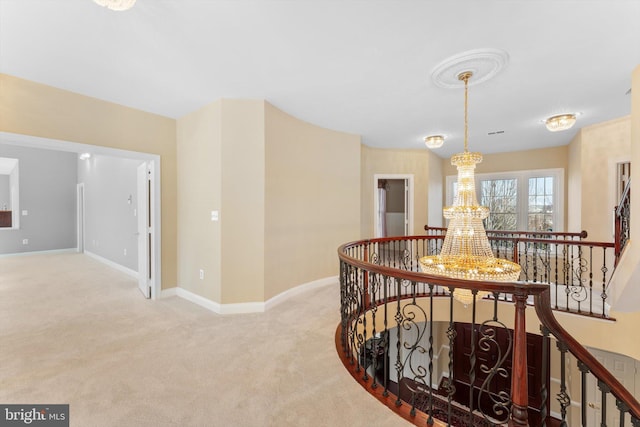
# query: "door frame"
80, 216
408, 178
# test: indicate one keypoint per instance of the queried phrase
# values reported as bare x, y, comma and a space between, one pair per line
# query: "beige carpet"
74, 331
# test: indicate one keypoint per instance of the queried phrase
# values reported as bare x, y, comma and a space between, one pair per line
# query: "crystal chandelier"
116, 4
466, 252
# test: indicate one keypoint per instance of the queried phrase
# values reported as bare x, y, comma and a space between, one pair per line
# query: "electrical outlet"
201, 274
25, 241
125, 252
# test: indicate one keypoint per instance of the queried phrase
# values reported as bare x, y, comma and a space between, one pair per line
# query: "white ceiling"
360, 66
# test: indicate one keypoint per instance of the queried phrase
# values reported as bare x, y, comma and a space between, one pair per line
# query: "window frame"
522, 178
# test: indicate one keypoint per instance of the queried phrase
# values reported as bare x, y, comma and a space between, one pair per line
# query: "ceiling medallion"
482, 63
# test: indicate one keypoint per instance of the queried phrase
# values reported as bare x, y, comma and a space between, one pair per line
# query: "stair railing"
386, 338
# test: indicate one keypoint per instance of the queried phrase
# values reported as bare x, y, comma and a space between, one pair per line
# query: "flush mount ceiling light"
560, 122
116, 4
434, 141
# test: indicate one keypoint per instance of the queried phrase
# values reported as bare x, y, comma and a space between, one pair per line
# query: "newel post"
519, 381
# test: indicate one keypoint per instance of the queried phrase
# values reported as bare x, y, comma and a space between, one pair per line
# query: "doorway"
153, 248
393, 205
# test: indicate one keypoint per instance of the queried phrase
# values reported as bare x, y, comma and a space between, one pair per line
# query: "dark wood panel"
488, 357
5, 219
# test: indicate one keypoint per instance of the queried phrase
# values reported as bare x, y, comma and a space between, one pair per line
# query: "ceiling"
359, 66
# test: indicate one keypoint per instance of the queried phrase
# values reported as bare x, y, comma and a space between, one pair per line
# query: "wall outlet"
25, 241
25, 212
125, 252
201, 274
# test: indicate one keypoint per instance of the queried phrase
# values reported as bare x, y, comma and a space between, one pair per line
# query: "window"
521, 200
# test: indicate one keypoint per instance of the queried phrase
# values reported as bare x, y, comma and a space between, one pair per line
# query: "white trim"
247, 307
49, 252
168, 293
112, 264
406, 177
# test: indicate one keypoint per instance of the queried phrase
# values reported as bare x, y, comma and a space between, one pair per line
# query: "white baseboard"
283, 296
49, 252
247, 307
112, 264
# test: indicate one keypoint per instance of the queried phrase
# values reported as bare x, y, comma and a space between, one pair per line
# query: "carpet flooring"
75, 331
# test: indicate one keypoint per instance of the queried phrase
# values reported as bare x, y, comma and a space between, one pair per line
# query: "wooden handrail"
542, 303
582, 234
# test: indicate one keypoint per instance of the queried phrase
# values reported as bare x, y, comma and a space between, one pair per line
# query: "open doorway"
149, 278
393, 205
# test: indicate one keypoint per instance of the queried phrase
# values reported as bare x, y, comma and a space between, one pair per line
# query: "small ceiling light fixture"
560, 122
118, 5
85, 156
434, 141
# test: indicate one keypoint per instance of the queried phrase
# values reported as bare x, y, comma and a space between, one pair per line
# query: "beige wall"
242, 211
574, 185
312, 200
409, 162
288, 194
602, 146
199, 193
34, 109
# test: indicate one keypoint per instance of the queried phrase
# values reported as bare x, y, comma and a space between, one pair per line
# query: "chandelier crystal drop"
466, 252
118, 5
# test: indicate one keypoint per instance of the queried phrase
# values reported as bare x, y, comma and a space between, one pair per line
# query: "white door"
397, 190
144, 229
623, 368
80, 216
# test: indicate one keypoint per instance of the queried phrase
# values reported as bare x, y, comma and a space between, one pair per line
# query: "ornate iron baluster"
623, 409
604, 280
398, 319
590, 279
563, 397
385, 393
544, 393
501, 400
430, 419
584, 370
472, 356
451, 334
603, 405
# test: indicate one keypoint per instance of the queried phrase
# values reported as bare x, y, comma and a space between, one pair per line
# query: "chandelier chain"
465, 78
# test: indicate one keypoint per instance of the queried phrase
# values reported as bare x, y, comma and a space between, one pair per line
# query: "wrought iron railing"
398, 338
622, 215
578, 271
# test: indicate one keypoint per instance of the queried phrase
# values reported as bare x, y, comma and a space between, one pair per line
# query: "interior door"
623, 368
144, 229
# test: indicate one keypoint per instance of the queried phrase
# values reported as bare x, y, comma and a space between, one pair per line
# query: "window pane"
500, 196
540, 209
